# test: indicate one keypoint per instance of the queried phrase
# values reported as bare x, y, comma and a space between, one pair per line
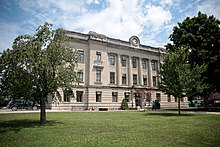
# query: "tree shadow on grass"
167, 114
18, 125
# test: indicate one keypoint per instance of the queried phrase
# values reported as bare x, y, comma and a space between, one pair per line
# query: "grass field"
100, 129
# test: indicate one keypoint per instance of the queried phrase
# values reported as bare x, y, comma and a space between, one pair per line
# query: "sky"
151, 20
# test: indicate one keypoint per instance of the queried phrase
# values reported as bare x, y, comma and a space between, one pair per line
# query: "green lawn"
133, 129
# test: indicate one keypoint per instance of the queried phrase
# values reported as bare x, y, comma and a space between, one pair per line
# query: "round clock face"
135, 41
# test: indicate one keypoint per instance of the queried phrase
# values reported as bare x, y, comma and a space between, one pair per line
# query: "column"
119, 75
150, 74
140, 74
130, 75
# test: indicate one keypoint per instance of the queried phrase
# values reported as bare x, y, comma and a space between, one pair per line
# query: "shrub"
124, 104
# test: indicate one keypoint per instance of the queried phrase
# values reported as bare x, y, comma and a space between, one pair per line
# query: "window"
79, 95
175, 99
98, 96
158, 97
144, 64
154, 81
123, 61
80, 76
67, 95
112, 59
124, 79
98, 75
112, 77
98, 56
80, 56
145, 80
114, 97
168, 98
134, 63
148, 97
181, 99
126, 96
134, 79
154, 65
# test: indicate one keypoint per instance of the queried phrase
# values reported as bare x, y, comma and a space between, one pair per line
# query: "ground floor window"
79, 96
126, 96
148, 97
67, 95
168, 98
114, 97
158, 97
98, 96
175, 99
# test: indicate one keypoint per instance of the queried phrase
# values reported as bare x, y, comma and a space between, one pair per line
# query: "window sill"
98, 83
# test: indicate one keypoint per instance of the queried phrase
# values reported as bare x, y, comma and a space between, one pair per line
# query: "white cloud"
117, 19
210, 7
93, 1
151, 20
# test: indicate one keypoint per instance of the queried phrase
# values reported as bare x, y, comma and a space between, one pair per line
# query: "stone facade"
111, 70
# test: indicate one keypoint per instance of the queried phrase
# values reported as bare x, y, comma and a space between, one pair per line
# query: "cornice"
101, 39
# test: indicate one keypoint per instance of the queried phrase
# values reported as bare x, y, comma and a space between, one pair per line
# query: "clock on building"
134, 40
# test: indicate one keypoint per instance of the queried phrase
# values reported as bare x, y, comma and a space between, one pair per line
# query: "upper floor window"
98, 75
134, 63
80, 76
124, 79
112, 59
154, 81
144, 64
112, 77
80, 56
154, 65
145, 80
98, 56
134, 79
123, 61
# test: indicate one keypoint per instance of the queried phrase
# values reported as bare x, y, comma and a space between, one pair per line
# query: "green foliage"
178, 78
202, 35
124, 104
38, 65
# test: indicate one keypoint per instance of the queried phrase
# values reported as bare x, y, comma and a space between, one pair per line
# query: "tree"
178, 78
202, 34
37, 66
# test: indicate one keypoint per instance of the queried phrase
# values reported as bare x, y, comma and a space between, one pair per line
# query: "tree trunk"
43, 119
179, 105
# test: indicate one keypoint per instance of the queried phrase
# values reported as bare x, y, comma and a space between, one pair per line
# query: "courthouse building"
110, 70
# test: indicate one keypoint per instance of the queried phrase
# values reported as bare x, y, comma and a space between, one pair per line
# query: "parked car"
4, 102
14, 105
